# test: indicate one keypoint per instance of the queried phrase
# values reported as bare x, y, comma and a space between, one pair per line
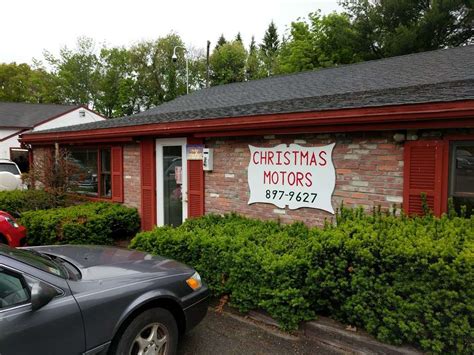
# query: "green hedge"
91, 223
18, 201
405, 280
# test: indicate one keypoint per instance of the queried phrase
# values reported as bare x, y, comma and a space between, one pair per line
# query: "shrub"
405, 280
18, 201
91, 223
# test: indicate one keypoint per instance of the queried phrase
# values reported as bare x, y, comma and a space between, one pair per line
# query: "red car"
11, 232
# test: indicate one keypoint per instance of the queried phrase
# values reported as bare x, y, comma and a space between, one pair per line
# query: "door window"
172, 185
13, 289
462, 176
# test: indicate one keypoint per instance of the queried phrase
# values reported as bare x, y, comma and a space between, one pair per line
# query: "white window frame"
166, 142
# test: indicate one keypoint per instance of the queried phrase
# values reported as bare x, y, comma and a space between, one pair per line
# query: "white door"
171, 181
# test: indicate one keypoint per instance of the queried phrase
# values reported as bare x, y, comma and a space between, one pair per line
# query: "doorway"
171, 181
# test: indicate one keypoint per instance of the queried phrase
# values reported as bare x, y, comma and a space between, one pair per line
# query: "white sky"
27, 27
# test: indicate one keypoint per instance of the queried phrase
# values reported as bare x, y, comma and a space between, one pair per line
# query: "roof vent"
82, 113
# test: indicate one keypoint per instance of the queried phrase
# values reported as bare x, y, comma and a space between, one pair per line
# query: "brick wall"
131, 175
369, 170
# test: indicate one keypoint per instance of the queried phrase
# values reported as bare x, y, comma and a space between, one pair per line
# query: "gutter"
458, 114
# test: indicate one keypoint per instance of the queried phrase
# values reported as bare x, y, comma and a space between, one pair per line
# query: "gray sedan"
95, 300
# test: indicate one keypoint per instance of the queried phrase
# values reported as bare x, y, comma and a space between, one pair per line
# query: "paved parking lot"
229, 334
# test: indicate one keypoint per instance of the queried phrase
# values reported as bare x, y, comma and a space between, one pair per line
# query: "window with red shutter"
195, 188
195, 184
423, 174
147, 172
117, 173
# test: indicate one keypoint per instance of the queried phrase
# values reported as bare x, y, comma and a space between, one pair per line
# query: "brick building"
291, 147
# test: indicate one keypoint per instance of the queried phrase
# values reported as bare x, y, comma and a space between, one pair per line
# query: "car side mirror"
42, 294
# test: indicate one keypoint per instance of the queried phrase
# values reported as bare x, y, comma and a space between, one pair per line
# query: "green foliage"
18, 201
91, 223
405, 280
321, 41
76, 72
254, 65
393, 27
22, 83
227, 63
269, 48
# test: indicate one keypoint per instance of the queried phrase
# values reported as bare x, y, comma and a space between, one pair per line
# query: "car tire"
154, 329
3, 240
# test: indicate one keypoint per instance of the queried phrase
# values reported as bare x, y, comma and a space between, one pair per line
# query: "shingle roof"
436, 76
24, 115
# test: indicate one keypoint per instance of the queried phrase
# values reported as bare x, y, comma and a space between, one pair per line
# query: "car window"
13, 289
10, 168
33, 258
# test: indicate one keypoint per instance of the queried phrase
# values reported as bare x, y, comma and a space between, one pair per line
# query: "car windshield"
9, 168
33, 258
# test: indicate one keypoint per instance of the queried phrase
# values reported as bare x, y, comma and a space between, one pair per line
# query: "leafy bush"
91, 223
18, 201
405, 280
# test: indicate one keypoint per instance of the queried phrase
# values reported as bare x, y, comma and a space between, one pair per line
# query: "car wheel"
3, 240
152, 332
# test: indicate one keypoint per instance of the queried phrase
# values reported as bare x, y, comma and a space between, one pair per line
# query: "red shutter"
117, 173
195, 185
423, 173
148, 185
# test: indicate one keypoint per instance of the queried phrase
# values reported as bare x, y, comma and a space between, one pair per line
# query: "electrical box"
207, 159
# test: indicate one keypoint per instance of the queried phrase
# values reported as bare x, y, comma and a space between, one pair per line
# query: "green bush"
91, 223
18, 201
405, 280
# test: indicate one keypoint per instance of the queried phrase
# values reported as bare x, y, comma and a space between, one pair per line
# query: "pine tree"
269, 48
221, 41
238, 38
253, 67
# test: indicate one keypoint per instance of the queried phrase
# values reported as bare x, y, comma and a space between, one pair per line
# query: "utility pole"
207, 63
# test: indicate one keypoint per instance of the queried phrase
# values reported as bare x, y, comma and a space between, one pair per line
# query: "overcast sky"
27, 27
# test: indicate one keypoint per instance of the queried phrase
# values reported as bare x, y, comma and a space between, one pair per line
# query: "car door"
56, 328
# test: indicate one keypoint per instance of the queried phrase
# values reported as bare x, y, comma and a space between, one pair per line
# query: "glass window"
10, 168
94, 177
13, 289
87, 179
32, 258
172, 183
462, 176
105, 178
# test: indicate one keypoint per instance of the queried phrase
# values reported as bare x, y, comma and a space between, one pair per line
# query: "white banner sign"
292, 176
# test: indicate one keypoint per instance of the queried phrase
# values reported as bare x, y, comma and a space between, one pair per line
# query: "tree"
299, 52
221, 41
77, 72
391, 27
227, 63
158, 78
22, 83
253, 68
269, 47
116, 95
238, 38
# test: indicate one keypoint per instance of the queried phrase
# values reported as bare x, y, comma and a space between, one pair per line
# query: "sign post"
293, 176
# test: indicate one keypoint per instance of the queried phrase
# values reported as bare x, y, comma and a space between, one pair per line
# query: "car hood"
102, 262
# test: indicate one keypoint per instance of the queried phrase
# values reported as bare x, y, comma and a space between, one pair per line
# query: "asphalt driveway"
223, 333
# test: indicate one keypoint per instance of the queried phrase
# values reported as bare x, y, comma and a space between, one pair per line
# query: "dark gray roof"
24, 115
436, 76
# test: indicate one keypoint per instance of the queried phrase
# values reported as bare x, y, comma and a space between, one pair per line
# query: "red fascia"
372, 118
